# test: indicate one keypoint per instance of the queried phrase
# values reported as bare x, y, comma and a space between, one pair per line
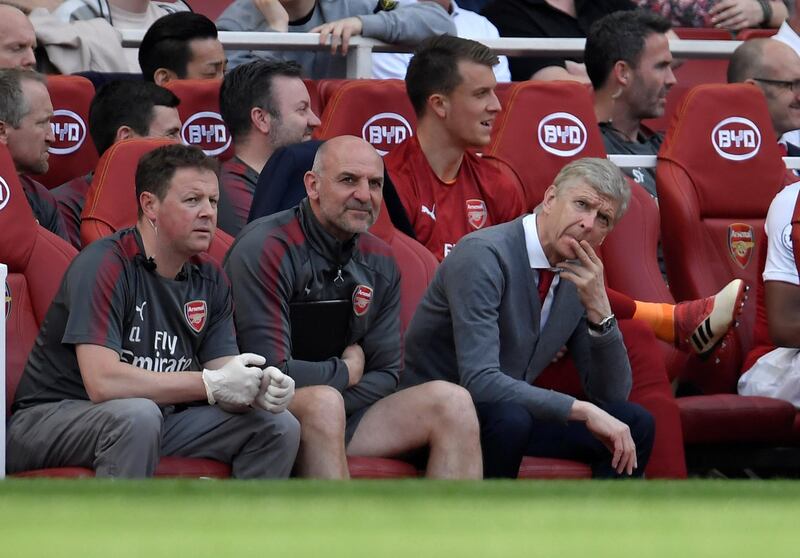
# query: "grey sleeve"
382, 354
408, 24
474, 285
242, 15
602, 363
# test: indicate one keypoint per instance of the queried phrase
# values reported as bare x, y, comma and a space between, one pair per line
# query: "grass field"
413, 519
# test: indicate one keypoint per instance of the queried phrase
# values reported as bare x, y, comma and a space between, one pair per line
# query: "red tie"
545, 280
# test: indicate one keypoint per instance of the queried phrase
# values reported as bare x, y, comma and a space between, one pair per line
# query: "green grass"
413, 519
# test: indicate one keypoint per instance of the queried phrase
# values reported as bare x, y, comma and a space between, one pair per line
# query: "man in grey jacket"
337, 19
482, 325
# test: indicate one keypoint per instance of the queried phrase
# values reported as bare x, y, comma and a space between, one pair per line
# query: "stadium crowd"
295, 299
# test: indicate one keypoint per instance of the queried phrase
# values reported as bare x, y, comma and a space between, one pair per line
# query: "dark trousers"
509, 432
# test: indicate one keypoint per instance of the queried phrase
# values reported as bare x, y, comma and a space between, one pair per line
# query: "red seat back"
202, 124
377, 110
111, 202
747, 34
544, 126
36, 260
72, 153
718, 170
417, 265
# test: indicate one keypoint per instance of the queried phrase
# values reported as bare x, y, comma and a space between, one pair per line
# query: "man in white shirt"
469, 25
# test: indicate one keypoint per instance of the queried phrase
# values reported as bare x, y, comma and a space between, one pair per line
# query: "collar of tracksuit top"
321, 241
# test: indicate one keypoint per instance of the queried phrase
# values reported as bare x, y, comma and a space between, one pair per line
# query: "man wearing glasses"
775, 68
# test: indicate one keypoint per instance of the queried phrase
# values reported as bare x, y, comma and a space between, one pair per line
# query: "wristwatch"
605, 325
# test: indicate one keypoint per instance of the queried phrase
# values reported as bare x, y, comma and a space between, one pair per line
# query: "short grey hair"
13, 104
602, 175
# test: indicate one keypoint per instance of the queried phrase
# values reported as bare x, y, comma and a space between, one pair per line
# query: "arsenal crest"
195, 314
740, 243
476, 213
362, 296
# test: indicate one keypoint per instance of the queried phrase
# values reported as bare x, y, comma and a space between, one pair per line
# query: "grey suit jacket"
478, 326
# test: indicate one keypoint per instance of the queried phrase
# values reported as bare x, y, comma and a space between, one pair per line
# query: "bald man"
775, 68
316, 258
17, 39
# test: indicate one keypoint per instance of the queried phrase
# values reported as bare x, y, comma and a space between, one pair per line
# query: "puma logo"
429, 212
140, 310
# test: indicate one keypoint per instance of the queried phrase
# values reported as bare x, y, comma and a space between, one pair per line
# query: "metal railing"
359, 57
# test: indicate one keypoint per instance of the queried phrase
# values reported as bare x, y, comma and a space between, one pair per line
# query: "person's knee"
451, 406
320, 410
135, 418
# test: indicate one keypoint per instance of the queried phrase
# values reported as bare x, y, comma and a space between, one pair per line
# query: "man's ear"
149, 204
261, 120
549, 198
439, 104
311, 182
162, 76
123, 133
4, 132
622, 73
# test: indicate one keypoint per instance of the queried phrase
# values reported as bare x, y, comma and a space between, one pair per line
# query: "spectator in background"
122, 14
469, 25
61, 47
789, 33
725, 14
183, 45
337, 19
774, 67
265, 105
120, 110
629, 63
17, 39
547, 19
25, 112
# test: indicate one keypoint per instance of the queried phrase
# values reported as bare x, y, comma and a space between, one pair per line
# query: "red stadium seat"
36, 261
199, 111
417, 264
550, 123
712, 215
718, 170
747, 34
377, 110
111, 200
72, 153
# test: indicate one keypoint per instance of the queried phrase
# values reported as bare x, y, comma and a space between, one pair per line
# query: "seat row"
718, 171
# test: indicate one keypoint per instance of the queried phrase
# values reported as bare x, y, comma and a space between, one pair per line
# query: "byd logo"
386, 130
207, 131
69, 130
562, 134
736, 139
5, 193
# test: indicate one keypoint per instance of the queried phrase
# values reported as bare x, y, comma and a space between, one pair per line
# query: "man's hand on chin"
587, 275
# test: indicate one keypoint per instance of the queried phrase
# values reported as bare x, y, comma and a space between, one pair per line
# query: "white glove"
237, 382
277, 390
